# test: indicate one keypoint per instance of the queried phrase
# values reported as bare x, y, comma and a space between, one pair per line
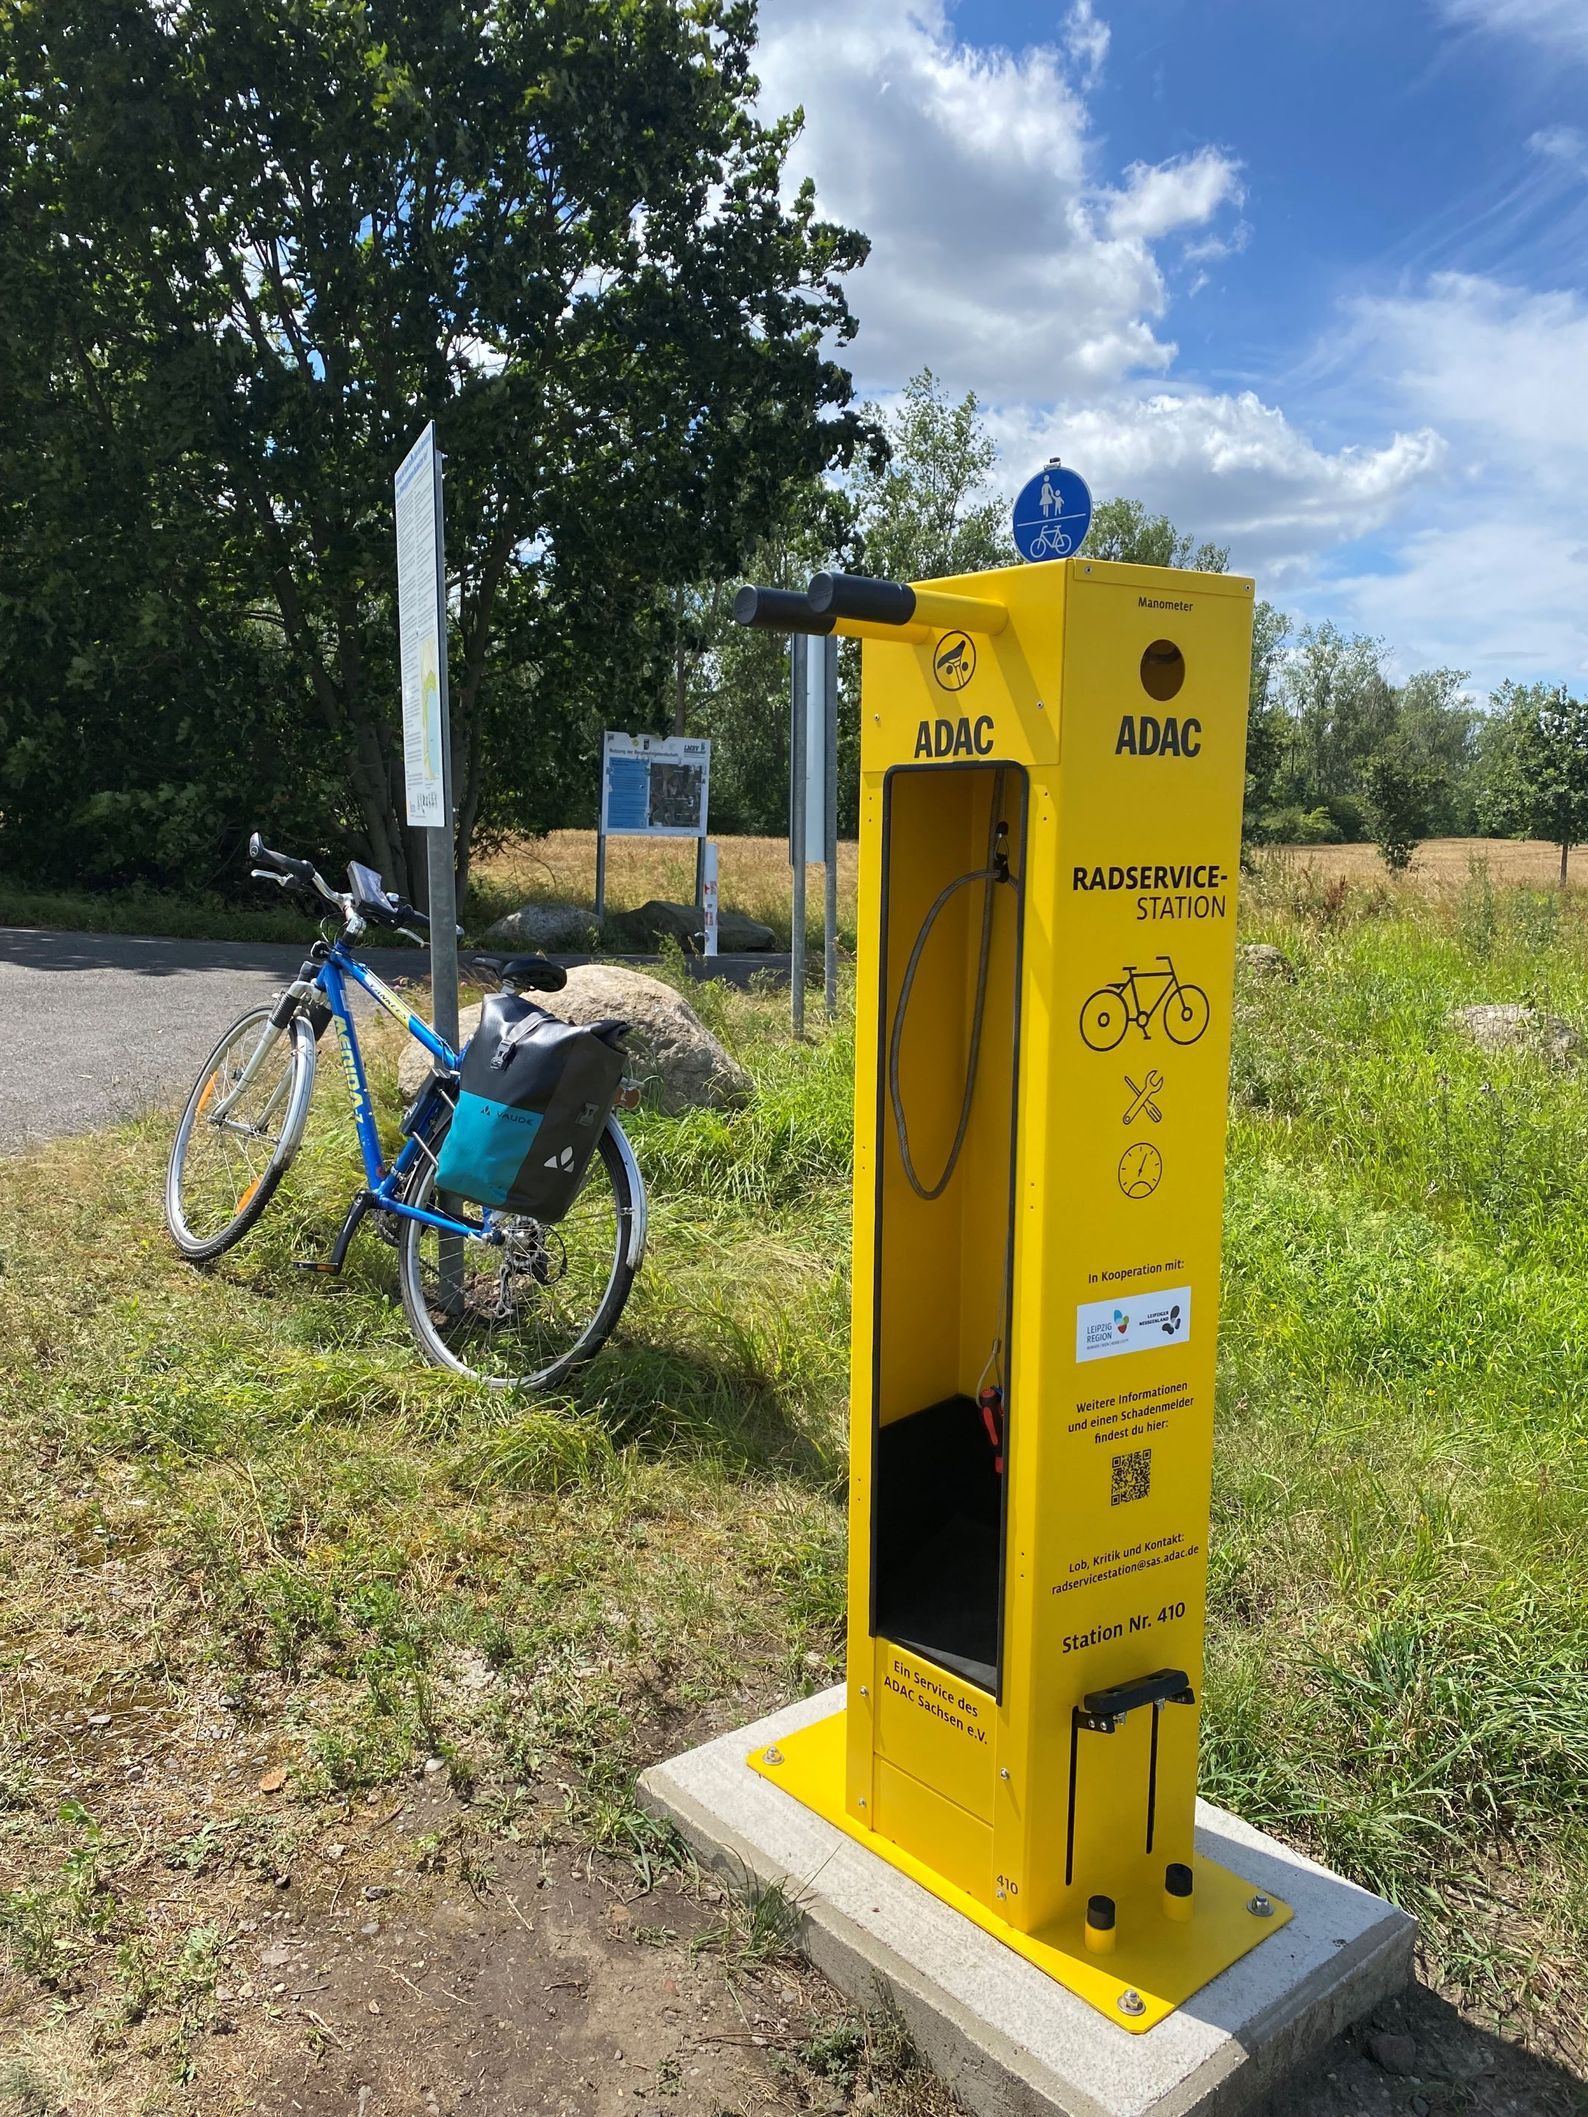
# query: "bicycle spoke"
521, 1304
235, 1131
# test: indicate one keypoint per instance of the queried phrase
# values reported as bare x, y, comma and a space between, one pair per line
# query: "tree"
923, 507
1439, 722
1123, 530
1400, 786
916, 508
260, 244
1535, 766
1340, 708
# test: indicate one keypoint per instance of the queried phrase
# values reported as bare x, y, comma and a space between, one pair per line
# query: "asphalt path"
99, 1027
96, 1027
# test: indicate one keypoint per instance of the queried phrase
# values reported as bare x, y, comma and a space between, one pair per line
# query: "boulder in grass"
564, 928
1260, 959
657, 921
673, 1052
1515, 1025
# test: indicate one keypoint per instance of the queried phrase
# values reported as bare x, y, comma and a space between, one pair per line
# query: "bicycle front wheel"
524, 1311
233, 1143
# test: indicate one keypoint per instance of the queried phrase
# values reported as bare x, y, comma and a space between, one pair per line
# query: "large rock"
656, 922
1514, 1025
675, 1054
566, 927
1260, 959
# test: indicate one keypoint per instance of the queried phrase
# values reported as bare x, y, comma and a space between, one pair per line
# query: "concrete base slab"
1008, 2040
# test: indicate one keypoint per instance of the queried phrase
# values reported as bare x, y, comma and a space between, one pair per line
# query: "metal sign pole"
798, 663
830, 827
708, 895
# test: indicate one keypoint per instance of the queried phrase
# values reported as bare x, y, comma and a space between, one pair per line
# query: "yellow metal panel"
909, 1813
938, 1728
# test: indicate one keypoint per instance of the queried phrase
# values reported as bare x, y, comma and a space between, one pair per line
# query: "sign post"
427, 733
829, 706
708, 894
813, 803
798, 825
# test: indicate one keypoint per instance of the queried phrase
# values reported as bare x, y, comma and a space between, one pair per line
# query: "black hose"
996, 871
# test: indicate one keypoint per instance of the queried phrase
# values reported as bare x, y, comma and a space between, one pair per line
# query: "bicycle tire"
200, 1249
427, 1335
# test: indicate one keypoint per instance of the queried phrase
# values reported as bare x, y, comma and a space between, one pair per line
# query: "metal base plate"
1155, 1961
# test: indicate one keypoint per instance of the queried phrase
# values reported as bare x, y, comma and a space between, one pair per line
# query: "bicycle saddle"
528, 973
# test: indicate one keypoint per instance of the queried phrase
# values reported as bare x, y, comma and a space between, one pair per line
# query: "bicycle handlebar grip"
301, 870
855, 595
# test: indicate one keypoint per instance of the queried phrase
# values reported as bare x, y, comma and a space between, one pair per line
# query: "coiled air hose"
995, 871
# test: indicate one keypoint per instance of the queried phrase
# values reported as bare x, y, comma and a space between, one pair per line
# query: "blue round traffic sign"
1053, 512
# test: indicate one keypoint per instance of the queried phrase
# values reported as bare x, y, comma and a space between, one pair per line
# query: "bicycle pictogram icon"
1139, 996
1050, 542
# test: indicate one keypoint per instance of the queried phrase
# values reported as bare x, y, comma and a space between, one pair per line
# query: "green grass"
241, 1485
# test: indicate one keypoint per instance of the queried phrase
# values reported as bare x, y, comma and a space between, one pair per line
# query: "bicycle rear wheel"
524, 1312
233, 1144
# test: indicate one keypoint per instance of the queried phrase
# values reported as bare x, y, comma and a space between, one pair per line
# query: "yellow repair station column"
1053, 765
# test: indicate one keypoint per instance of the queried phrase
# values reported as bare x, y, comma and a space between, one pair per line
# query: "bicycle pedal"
317, 1264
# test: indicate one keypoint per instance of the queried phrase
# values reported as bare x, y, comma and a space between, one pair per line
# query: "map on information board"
654, 786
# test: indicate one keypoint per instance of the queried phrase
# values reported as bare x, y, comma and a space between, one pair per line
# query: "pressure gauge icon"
1140, 1167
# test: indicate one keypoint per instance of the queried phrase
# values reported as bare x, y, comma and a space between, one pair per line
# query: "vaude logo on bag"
564, 1160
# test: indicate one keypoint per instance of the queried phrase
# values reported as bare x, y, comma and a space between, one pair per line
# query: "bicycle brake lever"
266, 874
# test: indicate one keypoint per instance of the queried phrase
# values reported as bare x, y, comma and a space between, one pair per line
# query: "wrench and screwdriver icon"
1144, 1098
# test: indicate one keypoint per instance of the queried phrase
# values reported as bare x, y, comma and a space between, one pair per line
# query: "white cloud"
1494, 574
1160, 197
1506, 367
1085, 41
1447, 420
998, 258
1559, 26
1232, 468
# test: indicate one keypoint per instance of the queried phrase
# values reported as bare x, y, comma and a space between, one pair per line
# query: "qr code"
1132, 1476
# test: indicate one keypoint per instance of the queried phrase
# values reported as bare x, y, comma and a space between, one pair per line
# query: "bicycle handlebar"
281, 867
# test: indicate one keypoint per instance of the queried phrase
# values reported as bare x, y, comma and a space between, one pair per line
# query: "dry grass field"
560, 868
1444, 863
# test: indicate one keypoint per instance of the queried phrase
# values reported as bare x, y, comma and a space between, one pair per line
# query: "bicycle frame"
326, 973
385, 1183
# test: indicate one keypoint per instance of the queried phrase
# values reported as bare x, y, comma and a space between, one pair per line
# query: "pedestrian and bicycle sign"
1052, 513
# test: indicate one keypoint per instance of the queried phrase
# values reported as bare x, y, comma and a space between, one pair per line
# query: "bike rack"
1034, 1329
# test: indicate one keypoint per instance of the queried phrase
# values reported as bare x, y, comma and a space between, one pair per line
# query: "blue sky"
1313, 278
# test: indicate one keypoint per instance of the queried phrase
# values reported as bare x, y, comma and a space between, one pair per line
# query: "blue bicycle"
504, 1298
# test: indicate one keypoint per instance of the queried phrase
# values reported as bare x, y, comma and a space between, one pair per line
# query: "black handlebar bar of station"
863, 608
855, 595
778, 610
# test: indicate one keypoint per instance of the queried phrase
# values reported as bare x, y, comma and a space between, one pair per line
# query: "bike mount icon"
1140, 995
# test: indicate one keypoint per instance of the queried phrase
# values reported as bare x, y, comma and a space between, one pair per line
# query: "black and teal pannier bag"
534, 1096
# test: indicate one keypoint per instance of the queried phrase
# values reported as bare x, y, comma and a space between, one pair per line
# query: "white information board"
422, 630
654, 786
